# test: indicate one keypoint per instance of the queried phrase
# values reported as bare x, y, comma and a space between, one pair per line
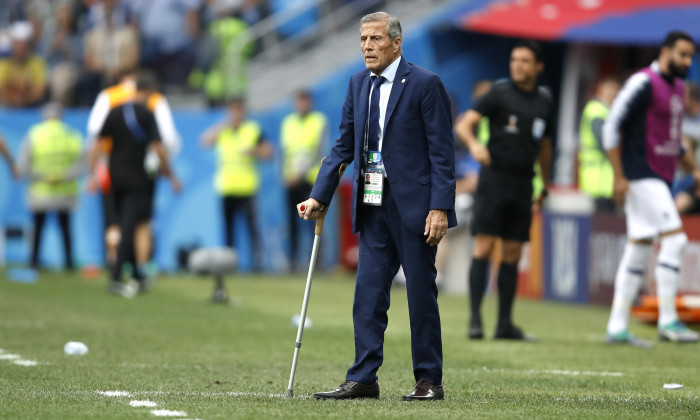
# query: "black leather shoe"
349, 390
425, 391
511, 332
475, 330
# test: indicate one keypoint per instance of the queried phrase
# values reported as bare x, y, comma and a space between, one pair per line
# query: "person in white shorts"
642, 137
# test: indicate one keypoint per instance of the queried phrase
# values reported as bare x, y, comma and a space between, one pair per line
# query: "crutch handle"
319, 224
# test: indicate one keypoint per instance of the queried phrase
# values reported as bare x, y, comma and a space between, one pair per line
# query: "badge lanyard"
372, 171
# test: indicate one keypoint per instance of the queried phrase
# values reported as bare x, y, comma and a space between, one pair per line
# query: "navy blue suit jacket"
418, 146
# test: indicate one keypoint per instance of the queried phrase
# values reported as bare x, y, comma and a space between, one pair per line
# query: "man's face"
608, 90
524, 68
237, 112
20, 50
680, 57
378, 50
303, 104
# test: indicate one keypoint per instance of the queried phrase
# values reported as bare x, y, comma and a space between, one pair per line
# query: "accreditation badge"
373, 187
373, 174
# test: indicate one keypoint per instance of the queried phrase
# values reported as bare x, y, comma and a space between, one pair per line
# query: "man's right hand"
311, 209
481, 154
620, 188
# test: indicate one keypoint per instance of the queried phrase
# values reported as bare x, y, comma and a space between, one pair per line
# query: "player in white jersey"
642, 136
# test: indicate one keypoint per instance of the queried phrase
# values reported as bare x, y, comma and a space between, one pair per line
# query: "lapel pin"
403, 80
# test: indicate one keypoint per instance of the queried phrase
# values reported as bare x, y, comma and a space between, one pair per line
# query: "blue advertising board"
566, 257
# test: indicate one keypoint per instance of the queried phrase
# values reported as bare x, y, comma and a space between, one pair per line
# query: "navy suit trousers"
385, 244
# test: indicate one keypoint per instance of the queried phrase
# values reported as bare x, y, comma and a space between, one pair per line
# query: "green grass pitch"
183, 354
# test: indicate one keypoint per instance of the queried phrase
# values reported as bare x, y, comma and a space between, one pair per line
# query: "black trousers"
133, 207
233, 205
64, 223
296, 195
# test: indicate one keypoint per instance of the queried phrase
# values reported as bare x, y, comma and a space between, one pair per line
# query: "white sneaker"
678, 332
131, 288
127, 290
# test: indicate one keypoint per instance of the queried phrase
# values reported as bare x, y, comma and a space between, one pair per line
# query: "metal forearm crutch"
307, 291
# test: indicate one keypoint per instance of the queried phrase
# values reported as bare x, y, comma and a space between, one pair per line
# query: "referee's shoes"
511, 332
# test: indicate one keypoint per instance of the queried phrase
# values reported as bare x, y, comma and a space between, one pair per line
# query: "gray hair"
393, 26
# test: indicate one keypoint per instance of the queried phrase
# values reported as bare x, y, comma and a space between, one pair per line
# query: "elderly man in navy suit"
397, 129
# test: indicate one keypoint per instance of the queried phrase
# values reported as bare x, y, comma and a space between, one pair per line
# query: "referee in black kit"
129, 131
520, 122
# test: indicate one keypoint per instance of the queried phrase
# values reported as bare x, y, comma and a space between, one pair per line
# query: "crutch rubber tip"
289, 394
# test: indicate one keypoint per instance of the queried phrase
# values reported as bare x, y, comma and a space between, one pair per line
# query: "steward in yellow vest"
223, 60
304, 135
51, 157
239, 143
595, 174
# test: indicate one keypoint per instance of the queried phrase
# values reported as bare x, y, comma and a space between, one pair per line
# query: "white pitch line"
549, 372
575, 373
23, 362
253, 394
114, 393
17, 359
168, 413
146, 403
143, 403
218, 394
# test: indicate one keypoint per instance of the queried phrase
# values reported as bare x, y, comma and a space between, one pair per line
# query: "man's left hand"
435, 226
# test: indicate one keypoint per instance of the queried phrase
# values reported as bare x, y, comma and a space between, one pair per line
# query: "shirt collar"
389, 73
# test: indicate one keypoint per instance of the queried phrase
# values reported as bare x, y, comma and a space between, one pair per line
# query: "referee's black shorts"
503, 205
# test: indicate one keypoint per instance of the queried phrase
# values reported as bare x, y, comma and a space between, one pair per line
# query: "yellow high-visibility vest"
301, 138
55, 148
237, 174
595, 173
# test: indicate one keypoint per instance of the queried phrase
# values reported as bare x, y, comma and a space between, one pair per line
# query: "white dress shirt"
389, 74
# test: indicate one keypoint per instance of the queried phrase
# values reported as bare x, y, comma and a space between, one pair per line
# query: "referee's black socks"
478, 279
507, 283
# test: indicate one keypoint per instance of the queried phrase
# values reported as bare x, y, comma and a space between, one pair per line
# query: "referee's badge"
538, 126
512, 126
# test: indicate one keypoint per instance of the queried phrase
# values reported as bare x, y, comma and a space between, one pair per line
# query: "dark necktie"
373, 135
